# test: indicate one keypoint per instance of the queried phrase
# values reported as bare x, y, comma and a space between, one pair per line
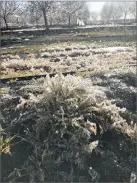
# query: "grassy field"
62, 57
7, 40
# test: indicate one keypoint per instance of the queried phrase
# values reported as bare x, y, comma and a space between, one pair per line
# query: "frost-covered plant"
70, 118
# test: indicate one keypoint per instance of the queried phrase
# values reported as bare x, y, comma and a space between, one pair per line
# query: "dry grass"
57, 59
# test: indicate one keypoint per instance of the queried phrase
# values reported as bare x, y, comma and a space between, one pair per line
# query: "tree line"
62, 13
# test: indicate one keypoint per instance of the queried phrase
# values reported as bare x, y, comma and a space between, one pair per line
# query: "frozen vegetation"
78, 128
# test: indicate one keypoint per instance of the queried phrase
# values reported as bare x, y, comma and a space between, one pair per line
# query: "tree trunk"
125, 22
36, 20
69, 20
36, 23
6, 24
51, 20
113, 20
45, 21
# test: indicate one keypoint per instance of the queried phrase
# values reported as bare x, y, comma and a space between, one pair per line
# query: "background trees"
133, 9
49, 13
8, 8
55, 14
42, 8
94, 16
70, 8
125, 8
117, 10
34, 12
83, 14
111, 12
106, 13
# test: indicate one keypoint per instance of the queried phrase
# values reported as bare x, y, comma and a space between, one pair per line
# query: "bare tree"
69, 8
8, 8
83, 14
106, 13
111, 12
44, 7
94, 16
55, 14
125, 8
23, 13
133, 9
34, 12
115, 11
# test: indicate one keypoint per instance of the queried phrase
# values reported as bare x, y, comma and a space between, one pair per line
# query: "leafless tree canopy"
116, 10
42, 7
8, 8
49, 13
93, 16
125, 8
69, 8
133, 9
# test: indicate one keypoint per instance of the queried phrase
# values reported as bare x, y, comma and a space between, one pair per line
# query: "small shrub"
69, 121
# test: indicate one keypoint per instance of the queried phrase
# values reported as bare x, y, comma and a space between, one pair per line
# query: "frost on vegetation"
69, 123
90, 147
45, 55
94, 175
56, 59
117, 49
133, 177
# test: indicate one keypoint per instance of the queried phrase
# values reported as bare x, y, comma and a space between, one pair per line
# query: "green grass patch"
105, 33
32, 40
37, 47
26, 49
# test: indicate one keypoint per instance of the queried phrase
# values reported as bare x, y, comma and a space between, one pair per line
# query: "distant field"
103, 36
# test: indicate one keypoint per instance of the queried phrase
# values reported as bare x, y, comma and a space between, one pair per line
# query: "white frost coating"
89, 148
132, 177
115, 49
94, 175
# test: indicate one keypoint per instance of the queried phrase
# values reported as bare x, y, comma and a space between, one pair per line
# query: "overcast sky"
95, 6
